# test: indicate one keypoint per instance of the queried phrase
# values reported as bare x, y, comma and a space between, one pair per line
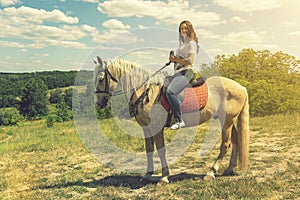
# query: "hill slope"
51, 163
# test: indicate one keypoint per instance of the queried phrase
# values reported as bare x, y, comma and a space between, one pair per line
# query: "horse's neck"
134, 81
131, 77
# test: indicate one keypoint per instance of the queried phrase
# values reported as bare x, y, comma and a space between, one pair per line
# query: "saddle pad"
195, 99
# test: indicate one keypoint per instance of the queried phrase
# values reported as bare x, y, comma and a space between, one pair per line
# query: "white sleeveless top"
184, 50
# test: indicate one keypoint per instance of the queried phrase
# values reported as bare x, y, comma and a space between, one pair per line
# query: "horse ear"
100, 62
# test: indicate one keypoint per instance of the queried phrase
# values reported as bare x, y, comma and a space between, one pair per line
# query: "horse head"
105, 83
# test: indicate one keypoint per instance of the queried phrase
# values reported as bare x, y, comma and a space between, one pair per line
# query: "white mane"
132, 76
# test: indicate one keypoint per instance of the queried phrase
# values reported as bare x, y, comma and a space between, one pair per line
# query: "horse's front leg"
161, 150
149, 141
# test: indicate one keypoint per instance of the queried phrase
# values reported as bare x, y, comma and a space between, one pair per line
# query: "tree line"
39, 95
272, 81
12, 84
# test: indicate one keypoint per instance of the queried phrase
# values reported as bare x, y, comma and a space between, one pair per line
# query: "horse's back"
226, 85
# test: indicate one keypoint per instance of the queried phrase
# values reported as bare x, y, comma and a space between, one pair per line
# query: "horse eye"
101, 76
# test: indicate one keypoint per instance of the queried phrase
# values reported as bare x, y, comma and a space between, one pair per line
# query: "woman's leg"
175, 87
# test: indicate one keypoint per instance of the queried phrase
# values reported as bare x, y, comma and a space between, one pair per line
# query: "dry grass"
51, 163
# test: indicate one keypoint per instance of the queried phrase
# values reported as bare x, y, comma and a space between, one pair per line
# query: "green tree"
63, 111
272, 79
34, 99
9, 116
55, 96
68, 97
8, 101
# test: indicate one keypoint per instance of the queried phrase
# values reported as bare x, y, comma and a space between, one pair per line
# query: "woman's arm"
186, 61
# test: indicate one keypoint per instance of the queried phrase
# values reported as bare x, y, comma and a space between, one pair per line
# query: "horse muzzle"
102, 103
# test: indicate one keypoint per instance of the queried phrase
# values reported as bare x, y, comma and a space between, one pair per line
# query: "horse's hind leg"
225, 145
233, 159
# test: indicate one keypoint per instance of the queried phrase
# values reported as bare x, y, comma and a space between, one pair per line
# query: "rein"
107, 73
152, 75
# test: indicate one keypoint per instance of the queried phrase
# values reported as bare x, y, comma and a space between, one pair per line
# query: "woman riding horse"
227, 102
183, 59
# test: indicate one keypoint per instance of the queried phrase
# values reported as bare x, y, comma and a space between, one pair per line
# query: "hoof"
229, 173
163, 181
147, 178
209, 177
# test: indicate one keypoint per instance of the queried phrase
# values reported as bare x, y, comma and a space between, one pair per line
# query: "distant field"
80, 89
51, 163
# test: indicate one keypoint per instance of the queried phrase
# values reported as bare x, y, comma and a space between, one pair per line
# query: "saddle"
194, 98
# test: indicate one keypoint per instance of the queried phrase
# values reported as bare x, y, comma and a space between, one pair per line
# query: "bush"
55, 96
63, 112
9, 116
50, 120
34, 99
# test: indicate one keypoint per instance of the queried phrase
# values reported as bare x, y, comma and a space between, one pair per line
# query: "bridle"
107, 77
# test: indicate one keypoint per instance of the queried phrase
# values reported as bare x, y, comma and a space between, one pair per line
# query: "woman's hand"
172, 58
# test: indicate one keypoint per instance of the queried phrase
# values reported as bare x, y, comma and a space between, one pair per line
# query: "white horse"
227, 101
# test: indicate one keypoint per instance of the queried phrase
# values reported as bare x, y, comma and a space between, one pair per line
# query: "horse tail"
243, 135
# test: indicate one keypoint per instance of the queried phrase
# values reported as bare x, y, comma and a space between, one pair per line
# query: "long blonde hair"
191, 33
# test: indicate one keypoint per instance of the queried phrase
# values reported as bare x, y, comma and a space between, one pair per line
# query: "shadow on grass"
129, 181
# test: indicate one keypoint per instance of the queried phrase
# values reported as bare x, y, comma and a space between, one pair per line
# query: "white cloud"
243, 39
88, 28
37, 61
237, 19
294, 33
28, 24
68, 44
214, 52
142, 26
247, 39
5, 3
117, 33
208, 34
11, 44
115, 36
271, 47
289, 24
41, 55
89, 1
171, 12
115, 24
25, 14
248, 5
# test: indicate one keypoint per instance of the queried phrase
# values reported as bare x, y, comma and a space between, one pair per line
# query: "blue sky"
39, 35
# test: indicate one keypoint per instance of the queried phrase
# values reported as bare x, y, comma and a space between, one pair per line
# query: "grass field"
51, 163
